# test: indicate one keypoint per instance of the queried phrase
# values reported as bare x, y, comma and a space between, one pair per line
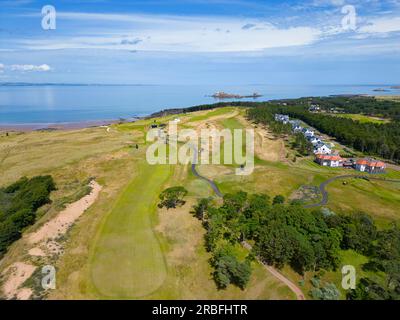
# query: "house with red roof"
329, 160
370, 166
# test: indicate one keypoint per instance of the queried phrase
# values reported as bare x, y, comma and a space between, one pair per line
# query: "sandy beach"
56, 126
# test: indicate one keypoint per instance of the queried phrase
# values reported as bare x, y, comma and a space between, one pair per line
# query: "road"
322, 186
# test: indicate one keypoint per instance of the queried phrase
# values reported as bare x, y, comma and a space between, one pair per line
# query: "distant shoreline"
28, 127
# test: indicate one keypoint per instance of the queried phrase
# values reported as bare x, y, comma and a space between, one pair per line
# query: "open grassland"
379, 199
125, 247
389, 98
41, 151
361, 118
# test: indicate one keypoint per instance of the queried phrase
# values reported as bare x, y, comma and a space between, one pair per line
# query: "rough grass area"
362, 118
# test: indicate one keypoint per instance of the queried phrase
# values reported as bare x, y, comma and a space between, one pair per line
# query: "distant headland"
224, 95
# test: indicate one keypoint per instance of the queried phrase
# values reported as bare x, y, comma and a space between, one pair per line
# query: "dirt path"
296, 290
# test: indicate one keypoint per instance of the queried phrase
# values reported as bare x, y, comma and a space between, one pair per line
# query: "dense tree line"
370, 138
18, 205
287, 234
356, 104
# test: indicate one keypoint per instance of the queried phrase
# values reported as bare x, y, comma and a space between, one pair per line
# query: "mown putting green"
127, 261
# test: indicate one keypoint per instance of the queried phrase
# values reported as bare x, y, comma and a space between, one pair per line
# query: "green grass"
232, 123
127, 261
212, 113
362, 118
379, 199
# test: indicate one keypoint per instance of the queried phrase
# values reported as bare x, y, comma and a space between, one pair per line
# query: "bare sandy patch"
37, 252
19, 272
65, 219
24, 294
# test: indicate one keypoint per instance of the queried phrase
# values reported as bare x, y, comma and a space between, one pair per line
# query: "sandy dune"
19, 273
64, 220
45, 244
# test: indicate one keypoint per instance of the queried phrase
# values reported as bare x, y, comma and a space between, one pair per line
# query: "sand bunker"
64, 220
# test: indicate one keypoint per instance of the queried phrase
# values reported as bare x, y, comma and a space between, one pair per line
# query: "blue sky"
201, 42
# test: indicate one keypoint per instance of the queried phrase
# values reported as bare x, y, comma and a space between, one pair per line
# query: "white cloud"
1, 68
176, 34
30, 67
381, 25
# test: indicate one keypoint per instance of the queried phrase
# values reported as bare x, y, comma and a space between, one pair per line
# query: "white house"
322, 148
370, 165
333, 161
282, 118
308, 132
314, 140
297, 128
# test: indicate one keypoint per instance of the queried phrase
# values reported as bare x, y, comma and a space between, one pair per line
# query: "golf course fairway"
127, 261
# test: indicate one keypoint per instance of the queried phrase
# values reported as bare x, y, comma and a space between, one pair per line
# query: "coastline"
28, 127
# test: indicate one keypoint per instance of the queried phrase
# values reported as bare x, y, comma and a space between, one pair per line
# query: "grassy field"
362, 118
124, 247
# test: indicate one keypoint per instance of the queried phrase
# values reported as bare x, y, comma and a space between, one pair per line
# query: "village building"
322, 148
314, 140
329, 160
297, 128
370, 166
308, 132
314, 108
282, 118
348, 164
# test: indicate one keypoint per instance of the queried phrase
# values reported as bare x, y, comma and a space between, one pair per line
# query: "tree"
228, 269
199, 210
18, 205
368, 290
172, 197
279, 199
274, 246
